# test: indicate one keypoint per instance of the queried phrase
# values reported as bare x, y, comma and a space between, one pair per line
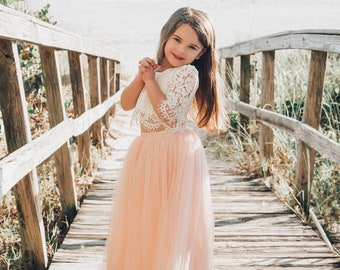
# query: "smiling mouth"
177, 57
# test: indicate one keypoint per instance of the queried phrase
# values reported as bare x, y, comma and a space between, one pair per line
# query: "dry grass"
241, 147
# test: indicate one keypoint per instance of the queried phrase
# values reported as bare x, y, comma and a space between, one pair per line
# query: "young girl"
163, 218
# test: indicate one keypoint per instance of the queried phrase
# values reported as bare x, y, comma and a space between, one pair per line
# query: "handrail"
18, 168
15, 25
319, 42
317, 140
19, 163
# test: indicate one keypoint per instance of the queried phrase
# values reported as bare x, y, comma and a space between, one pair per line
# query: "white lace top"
179, 85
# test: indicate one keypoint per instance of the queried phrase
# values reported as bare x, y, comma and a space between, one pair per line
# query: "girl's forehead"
187, 33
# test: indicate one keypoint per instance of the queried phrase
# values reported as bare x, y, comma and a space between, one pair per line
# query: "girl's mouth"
177, 57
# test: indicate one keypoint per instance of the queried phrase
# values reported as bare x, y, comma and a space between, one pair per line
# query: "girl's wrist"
139, 78
149, 81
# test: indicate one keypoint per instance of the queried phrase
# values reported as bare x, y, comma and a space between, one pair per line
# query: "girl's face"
182, 48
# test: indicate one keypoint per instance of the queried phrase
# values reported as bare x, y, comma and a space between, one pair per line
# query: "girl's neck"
164, 66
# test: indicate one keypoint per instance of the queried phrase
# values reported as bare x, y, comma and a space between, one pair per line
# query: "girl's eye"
177, 39
192, 47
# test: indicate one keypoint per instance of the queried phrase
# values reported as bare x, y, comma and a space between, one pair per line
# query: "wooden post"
312, 117
17, 130
245, 88
79, 103
112, 82
266, 136
104, 89
112, 78
56, 113
229, 70
117, 65
94, 84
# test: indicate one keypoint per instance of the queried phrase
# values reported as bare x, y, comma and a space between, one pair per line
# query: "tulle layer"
162, 218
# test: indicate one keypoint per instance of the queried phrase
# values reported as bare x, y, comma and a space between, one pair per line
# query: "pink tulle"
162, 218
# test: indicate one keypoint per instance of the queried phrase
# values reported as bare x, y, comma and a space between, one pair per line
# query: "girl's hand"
147, 68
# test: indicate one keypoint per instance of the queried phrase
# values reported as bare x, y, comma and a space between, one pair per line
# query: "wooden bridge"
254, 230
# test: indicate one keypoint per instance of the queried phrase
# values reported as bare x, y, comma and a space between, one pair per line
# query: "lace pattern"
179, 86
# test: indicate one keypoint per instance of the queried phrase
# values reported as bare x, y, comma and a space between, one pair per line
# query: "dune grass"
240, 146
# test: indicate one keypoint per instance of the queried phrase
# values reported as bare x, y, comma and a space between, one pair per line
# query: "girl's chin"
177, 63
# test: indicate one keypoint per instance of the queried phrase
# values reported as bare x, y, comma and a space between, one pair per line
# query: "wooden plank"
320, 40
113, 86
15, 25
104, 88
22, 161
266, 137
245, 76
56, 114
79, 104
259, 261
229, 72
320, 142
95, 98
311, 116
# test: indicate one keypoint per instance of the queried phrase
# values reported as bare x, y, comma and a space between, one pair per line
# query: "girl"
162, 218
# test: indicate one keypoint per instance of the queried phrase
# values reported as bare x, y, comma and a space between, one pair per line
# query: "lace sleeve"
181, 91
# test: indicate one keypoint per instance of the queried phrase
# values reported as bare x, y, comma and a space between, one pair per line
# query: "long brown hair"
208, 101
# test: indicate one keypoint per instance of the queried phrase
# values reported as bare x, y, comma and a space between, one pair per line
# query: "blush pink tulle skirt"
162, 218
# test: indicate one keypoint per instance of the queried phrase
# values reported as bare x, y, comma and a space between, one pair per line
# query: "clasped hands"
147, 68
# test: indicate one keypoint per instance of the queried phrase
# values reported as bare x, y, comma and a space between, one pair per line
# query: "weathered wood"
254, 233
320, 40
312, 117
79, 104
104, 88
245, 74
301, 131
16, 25
94, 84
266, 137
112, 81
19, 163
55, 103
17, 130
112, 77
229, 71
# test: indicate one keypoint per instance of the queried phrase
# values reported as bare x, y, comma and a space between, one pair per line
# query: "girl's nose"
181, 50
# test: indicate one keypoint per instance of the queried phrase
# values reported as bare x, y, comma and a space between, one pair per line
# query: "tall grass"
240, 145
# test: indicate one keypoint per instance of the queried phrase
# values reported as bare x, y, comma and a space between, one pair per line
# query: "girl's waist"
165, 132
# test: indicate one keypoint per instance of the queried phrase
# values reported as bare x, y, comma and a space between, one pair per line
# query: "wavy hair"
208, 100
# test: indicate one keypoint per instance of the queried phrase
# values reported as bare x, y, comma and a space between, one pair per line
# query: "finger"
141, 68
148, 63
152, 63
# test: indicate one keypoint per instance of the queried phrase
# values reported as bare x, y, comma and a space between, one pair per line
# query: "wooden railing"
306, 132
18, 168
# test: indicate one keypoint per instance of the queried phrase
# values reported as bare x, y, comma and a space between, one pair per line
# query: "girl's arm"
147, 70
130, 94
